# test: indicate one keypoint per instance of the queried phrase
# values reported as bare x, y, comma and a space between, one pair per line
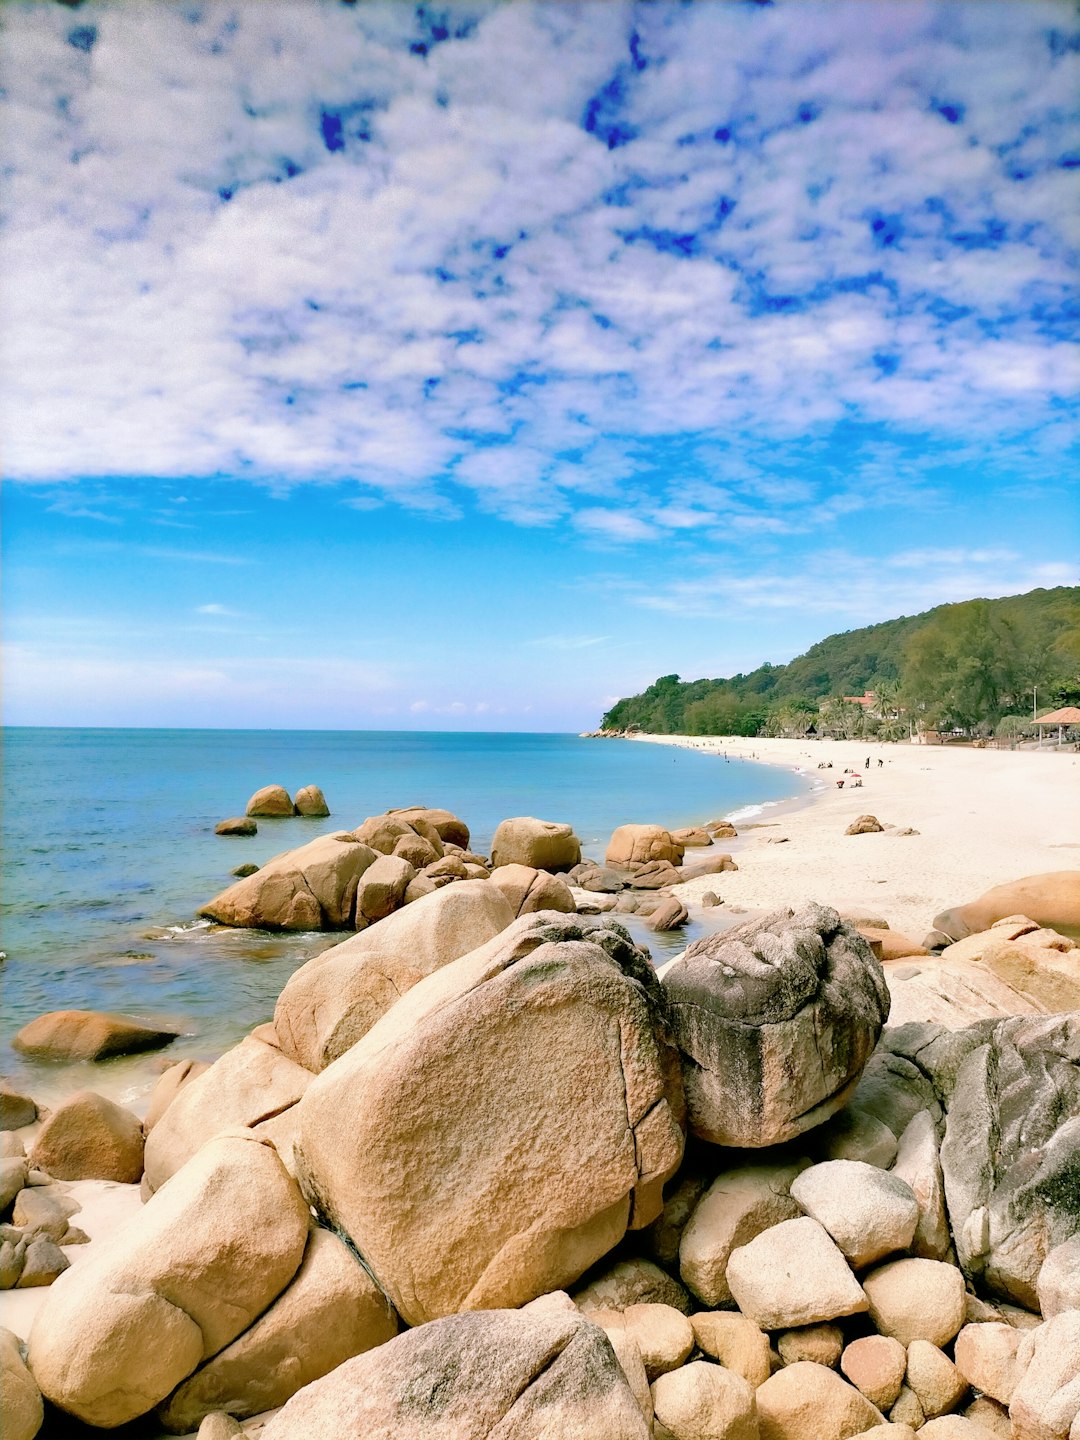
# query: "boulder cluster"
488, 1174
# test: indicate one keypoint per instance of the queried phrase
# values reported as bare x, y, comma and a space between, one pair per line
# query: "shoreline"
982, 817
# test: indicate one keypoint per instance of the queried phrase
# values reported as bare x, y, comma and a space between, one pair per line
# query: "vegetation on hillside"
972, 667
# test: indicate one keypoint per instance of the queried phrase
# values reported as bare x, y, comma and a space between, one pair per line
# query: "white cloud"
215, 609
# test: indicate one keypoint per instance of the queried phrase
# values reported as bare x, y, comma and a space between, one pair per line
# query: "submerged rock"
237, 825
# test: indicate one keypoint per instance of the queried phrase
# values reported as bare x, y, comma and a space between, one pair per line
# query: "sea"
109, 850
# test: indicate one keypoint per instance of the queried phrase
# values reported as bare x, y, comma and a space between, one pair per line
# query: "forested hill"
967, 665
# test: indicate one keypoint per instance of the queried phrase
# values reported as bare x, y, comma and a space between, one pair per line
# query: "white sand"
983, 816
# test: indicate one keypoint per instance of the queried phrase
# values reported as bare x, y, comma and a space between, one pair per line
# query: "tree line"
974, 667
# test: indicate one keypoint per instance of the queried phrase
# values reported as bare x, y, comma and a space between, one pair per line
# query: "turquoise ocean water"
109, 849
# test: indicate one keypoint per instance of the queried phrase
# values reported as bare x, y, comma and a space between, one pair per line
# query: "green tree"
965, 667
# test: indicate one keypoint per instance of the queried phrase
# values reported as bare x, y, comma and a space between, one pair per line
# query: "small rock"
272, 802
793, 1275
12, 1254
934, 1378
16, 1110
219, 1426
854, 1134
955, 1427
907, 1409
44, 1209
809, 1402
735, 1341
868, 1212
916, 1300
738, 1205
823, 1344
243, 871
710, 899
991, 1415
865, 825
919, 1166
88, 1035
43, 1262
237, 825
668, 915
311, 802
986, 1358
875, 1364
1046, 1402
705, 1402
663, 1336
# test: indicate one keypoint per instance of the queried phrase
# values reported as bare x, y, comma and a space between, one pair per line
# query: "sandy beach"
983, 817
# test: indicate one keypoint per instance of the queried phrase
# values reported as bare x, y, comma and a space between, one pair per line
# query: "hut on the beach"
1063, 718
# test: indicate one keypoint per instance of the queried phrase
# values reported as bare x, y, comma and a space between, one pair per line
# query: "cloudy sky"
469, 366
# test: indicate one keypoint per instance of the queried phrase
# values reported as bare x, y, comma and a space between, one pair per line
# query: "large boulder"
89, 1137
311, 802
528, 890
310, 888
809, 1402
1039, 963
382, 889
272, 801
253, 1085
1011, 1152
1052, 899
120, 1330
542, 844
638, 844
330, 1312
531, 1375
333, 1000
88, 1035
168, 1085
1046, 1402
775, 1020
475, 1081
450, 829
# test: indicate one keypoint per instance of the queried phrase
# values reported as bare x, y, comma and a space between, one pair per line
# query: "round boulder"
311, 802
88, 1035
775, 1020
272, 802
810, 1402
1052, 899
543, 844
90, 1138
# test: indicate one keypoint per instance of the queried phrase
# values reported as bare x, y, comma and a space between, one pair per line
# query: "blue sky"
469, 366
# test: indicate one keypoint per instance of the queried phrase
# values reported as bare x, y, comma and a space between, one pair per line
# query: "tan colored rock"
638, 844
855, 1134
203, 1258
382, 887
865, 825
12, 1178
469, 1079
45, 1209
692, 837
1058, 1285
88, 1035
934, 1378
168, 1085
703, 1401
775, 1019
907, 1409
1039, 963
20, 1398
332, 1001
528, 890
664, 1337
955, 1427
891, 944
43, 1262
541, 844
918, 1165
867, 1212
236, 825
417, 850
310, 888
252, 1085
470, 1377
90, 1138
986, 1358
668, 915
1046, 1401
916, 1300
991, 1415
735, 1341
17, 1110
810, 1402
876, 1364
311, 802
630, 1282
792, 1275
449, 828
712, 865
272, 801
888, 1431
626, 1353
821, 1344
331, 1311
655, 875
219, 1426
1051, 899
738, 1205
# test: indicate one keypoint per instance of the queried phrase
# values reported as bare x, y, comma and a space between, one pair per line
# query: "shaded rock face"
1052, 899
88, 1035
311, 888
20, 1398
332, 1001
1011, 1152
473, 1081
542, 844
237, 825
775, 1020
119, 1331
528, 1375
311, 801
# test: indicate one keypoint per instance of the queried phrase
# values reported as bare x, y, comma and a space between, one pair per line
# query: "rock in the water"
1011, 1152
541, 844
16, 1110
775, 1020
529, 891
705, 1402
243, 871
639, 844
738, 1205
237, 825
90, 1138
868, 1212
528, 1375
311, 802
1046, 1402
88, 1035
252, 1085
331, 1311
271, 801
810, 1402
20, 1398
470, 1080
865, 825
310, 888
332, 1001
670, 914
1052, 899
792, 1274
916, 1300
119, 1331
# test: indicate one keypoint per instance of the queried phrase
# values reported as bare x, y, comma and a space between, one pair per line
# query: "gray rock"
43, 1262
12, 1179
775, 1020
